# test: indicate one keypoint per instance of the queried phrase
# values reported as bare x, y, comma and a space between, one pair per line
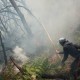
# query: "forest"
29, 37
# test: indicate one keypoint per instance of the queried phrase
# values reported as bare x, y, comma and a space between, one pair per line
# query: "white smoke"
60, 17
20, 55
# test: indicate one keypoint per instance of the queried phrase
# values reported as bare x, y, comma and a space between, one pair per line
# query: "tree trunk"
3, 48
21, 17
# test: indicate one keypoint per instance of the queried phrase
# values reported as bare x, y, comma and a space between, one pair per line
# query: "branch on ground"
56, 76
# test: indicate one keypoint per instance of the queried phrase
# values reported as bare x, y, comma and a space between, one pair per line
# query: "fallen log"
20, 69
55, 76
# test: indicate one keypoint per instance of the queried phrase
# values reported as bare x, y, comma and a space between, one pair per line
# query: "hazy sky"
58, 16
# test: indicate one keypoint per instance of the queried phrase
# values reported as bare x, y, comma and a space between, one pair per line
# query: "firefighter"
72, 50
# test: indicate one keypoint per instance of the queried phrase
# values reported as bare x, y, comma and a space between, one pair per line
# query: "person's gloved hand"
57, 51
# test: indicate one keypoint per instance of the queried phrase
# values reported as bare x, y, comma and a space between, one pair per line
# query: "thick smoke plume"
20, 55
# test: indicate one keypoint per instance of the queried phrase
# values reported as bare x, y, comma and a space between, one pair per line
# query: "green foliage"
1, 78
33, 69
8, 72
37, 66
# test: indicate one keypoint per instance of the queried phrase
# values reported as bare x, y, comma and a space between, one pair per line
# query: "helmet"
62, 41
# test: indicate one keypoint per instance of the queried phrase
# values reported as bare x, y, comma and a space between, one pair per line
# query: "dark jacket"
70, 49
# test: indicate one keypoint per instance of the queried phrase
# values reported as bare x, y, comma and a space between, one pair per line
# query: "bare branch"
17, 6
22, 17
3, 25
9, 12
20, 69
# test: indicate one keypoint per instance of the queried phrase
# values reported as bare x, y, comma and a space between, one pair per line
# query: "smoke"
60, 17
20, 55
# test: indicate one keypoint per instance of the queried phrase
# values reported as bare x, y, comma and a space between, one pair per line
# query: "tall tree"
3, 48
21, 17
